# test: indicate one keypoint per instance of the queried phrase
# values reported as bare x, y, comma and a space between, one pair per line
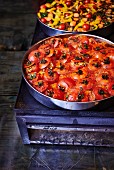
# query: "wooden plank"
17, 6
10, 72
16, 31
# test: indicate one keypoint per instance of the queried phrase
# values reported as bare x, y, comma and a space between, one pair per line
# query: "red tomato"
111, 88
72, 94
82, 96
66, 14
55, 93
61, 68
68, 3
44, 62
87, 1
111, 54
58, 94
66, 83
43, 20
43, 6
100, 93
89, 15
32, 77
32, 68
86, 27
85, 40
86, 84
62, 27
51, 76
40, 85
35, 68
57, 53
77, 95
59, 6
107, 63
82, 7
28, 64
94, 6
33, 56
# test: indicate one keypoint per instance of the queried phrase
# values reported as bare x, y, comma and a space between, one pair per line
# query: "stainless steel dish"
54, 103
99, 32
105, 31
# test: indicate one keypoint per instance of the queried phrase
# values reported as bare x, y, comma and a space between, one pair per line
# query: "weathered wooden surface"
17, 24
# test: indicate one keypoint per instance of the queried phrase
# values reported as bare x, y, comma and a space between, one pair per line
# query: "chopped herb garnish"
47, 52
106, 24
113, 87
107, 61
80, 97
97, 48
63, 56
40, 83
65, 45
28, 63
44, 15
32, 76
50, 93
85, 46
78, 58
105, 76
101, 92
50, 72
43, 61
80, 72
61, 66
96, 64
37, 54
85, 82
61, 88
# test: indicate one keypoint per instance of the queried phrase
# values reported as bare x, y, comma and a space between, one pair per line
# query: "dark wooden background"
17, 24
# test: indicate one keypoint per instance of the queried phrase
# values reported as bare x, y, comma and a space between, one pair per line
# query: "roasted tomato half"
51, 76
66, 83
100, 93
34, 56
111, 88
76, 95
40, 85
55, 93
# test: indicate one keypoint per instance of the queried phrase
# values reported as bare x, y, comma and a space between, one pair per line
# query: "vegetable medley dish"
76, 15
72, 68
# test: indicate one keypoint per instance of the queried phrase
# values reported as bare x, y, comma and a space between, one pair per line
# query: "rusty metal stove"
39, 124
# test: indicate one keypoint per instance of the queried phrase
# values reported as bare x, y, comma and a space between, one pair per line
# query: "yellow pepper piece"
64, 9
56, 21
95, 27
54, 85
57, 13
92, 9
68, 20
52, 9
43, 10
78, 25
75, 4
95, 22
38, 14
48, 5
53, 3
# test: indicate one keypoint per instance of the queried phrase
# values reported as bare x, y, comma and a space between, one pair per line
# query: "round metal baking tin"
55, 103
